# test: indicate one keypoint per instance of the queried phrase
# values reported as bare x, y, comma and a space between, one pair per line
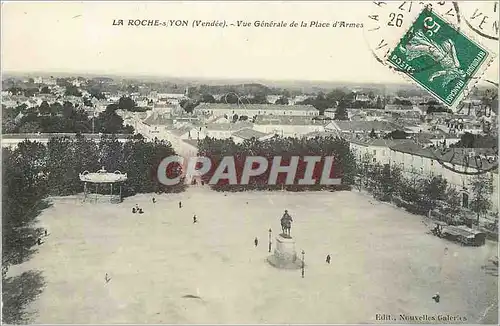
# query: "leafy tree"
434, 190
397, 134
372, 134
126, 103
97, 94
45, 90
207, 98
30, 127
481, 189
282, 100
230, 98
24, 188
61, 172
108, 122
343, 164
188, 105
72, 91
44, 108
379, 104
56, 108
341, 112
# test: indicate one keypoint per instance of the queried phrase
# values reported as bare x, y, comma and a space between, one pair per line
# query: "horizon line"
196, 78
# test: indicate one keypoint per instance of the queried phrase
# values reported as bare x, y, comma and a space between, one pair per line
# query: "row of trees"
54, 118
420, 194
33, 171
217, 149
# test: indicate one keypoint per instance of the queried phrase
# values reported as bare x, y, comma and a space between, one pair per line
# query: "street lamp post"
270, 241
303, 263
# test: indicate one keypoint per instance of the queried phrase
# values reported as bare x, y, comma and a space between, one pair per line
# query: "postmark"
481, 17
388, 21
453, 60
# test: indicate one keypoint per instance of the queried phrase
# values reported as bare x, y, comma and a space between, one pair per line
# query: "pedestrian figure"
180, 204
194, 219
302, 272
45, 232
436, 297
154, 200
106, 278
39, 241
256, 241
133, 210
328, 259
141, 211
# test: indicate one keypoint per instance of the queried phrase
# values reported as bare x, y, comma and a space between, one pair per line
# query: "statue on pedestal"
285, 255
286, 224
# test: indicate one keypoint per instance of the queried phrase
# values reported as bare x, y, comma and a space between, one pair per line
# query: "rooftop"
458, 156
288, 120
255, 107
366, 125
229, 126
158, 120
249, 133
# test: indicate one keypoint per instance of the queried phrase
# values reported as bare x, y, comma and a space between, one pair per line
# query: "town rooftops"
255, 107
249, 133
288, 120
365, 126
229, 126
158, 120
454, 156
321, 134
378, 142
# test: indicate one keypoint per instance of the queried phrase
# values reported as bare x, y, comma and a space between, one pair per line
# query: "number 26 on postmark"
440, 58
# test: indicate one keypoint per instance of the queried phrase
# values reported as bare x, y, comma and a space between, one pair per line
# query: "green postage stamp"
440, 58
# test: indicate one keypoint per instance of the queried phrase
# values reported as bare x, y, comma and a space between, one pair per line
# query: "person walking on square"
194, 219
154, 200
180, 204
328, 259
256, 241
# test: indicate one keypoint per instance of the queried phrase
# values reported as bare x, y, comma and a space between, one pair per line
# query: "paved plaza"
162, 268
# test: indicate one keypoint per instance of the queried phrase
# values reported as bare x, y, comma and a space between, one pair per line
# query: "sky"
80, 37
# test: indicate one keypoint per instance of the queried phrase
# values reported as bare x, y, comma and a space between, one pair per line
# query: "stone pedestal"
285, 255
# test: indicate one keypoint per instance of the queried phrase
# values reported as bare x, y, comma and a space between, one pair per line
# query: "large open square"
165, 269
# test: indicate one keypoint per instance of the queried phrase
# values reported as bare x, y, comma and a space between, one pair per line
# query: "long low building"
288, 126
251, 110
12, 140
413, 158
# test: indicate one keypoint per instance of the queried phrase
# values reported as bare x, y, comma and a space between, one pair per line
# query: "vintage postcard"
256, 162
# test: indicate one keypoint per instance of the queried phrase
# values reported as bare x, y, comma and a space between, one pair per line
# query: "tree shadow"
20, 244
18, 292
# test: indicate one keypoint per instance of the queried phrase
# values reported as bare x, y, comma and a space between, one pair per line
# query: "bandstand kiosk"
99, 180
